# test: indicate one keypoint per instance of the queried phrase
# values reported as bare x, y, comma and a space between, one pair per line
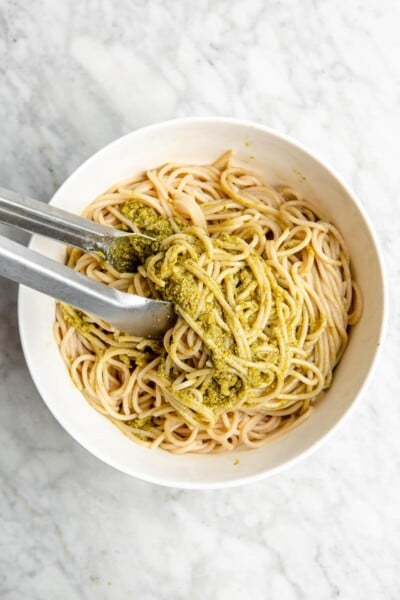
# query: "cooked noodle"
263, 293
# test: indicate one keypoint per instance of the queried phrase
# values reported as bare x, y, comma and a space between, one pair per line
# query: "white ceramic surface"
280, 160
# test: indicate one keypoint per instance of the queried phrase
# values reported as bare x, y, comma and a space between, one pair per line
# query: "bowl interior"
279, 160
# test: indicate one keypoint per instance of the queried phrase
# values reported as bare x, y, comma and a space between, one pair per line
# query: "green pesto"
75, 318
127, 253
143, 424
182, 289
147, 219
124, 358
271, 355
223, 389
141, 360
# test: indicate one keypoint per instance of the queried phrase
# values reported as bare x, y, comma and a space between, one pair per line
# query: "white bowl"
279, 159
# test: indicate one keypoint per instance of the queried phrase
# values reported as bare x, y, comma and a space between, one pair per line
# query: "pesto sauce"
144, 424
75, 318
127, 253
222, 389
147, 220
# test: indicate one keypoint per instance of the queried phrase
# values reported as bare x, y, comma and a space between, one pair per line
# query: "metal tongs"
127, 312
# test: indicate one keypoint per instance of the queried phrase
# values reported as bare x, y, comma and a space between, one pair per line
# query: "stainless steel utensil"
39, 217
127, 312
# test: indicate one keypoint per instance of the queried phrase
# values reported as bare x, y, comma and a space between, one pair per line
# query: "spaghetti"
264, 297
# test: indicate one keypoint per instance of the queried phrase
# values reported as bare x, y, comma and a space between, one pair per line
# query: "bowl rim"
239, 480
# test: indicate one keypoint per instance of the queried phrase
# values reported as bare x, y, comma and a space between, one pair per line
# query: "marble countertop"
74, 76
